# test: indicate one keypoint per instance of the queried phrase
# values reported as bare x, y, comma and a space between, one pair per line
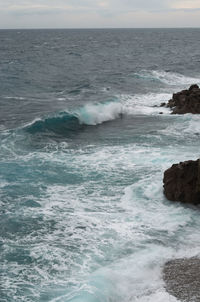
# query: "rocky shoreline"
185, 101
182, 183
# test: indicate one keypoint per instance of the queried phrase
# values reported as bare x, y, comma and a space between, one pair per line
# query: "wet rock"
194, 86
182, 182
186, 101
171, 103
182, 278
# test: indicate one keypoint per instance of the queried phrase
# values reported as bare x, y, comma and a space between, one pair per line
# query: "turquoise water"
83, 216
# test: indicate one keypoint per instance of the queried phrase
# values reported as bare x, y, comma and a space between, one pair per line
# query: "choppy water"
82, 154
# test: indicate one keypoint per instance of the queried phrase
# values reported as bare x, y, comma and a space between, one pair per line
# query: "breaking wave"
166, 77
91, 114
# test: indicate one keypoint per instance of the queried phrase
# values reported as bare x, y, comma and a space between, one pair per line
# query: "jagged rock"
171, 103
182, 278
185, 101
182, 182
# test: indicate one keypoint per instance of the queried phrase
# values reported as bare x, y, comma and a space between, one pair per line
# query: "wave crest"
93, 114
90, 114
166, 77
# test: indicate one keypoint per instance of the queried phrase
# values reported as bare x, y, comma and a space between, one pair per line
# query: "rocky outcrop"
182, 279
185, 101
182, 182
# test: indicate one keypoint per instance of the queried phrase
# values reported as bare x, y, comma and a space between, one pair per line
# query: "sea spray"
90, 114
166, 77
94, 114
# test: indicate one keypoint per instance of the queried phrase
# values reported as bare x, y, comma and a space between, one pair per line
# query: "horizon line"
97, 28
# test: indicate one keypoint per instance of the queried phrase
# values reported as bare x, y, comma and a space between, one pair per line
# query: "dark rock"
194, 86
182, 182
163, 104
182, 278
161, 112
171, 103
186, 101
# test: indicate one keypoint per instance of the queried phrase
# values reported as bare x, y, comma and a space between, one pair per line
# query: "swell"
91, 114
57, 124
166, 77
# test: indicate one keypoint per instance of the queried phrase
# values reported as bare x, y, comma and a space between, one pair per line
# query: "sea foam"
93, 114
166, 77
90, 114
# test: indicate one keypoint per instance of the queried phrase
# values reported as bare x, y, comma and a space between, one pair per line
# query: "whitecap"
147, 104
168, 78
93, 114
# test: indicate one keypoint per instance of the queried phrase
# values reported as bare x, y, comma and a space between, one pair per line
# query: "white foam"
147, 104
187, 125
93, 114
169, 78
173, 78
61, 99
15, 97
159, 296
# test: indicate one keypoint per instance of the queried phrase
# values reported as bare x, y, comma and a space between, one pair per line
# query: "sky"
99, 13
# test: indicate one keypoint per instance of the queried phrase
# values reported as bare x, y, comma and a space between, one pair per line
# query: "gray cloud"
96, 13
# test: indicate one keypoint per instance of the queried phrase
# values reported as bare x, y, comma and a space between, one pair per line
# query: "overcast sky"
99, 13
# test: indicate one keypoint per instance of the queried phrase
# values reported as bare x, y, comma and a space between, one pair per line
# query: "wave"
187, 128
166, 77
14, 98
145, 104
90, 114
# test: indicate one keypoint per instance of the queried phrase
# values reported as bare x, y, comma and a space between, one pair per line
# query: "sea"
83, 149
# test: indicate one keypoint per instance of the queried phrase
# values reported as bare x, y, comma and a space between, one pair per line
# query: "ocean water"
82, 155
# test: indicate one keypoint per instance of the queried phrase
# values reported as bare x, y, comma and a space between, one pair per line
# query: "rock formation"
182, 279
182, 182
185, 101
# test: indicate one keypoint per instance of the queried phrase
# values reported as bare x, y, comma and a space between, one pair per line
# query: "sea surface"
83, 149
